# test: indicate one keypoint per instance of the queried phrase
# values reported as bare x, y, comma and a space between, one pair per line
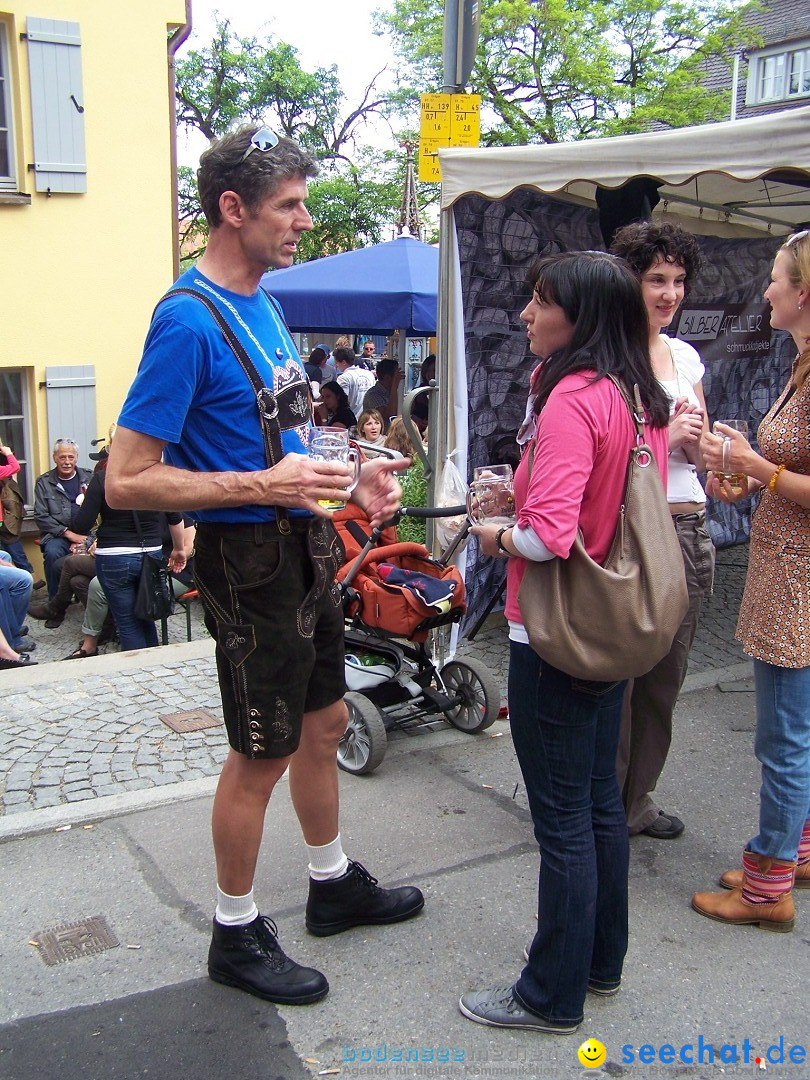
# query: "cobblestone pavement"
92, 728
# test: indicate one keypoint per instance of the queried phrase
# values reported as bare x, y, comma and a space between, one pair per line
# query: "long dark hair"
339, 392
601, 298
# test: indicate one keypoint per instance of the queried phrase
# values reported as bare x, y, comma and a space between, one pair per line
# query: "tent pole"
438, 435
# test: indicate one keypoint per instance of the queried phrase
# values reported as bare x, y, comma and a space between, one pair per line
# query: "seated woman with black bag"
586, 320
125, 538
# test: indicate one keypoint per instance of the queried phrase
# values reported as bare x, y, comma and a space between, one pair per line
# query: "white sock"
235, 910
327, 861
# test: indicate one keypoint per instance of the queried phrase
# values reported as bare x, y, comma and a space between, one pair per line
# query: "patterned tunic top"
774, 623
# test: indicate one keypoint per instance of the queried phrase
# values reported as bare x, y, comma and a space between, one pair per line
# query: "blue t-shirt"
191, 393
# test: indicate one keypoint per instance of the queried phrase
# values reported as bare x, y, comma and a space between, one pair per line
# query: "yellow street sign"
446, 120
434, 115
465, 121
429, 159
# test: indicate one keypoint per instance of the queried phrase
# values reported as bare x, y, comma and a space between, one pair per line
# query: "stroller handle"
432, 511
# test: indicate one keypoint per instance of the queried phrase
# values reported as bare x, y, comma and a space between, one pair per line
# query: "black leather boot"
251, 959
355, 899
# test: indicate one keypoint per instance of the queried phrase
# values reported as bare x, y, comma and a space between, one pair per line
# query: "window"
779, 75
14, 426
8, 178
799, 77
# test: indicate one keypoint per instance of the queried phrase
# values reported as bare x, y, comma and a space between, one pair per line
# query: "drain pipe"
175, 41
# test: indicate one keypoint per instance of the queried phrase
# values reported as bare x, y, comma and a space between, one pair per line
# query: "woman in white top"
666, 259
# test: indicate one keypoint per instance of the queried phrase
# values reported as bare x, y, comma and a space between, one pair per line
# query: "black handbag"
154, 598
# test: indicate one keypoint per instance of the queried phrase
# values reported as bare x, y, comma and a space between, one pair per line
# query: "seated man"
55, 496
356, 381
384, 395
15, 594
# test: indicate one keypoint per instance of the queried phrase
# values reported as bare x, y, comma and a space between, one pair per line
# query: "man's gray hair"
66, 442
228, 166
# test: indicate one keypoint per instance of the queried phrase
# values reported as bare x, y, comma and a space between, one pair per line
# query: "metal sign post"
460, 40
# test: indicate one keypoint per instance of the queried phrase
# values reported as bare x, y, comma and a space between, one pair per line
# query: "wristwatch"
499, 544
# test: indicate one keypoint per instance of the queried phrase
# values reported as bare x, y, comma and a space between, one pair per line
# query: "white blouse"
683, 484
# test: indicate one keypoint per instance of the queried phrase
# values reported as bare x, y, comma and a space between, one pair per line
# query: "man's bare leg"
247, 954
237, 823
354, 898
314, 775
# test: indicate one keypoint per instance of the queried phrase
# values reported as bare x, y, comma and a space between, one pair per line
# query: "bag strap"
637, 415
635, 406
265, 398
138, 529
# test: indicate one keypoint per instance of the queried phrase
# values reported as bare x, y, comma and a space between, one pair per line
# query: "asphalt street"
107, 862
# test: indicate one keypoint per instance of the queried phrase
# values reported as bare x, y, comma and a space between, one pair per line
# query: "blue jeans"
566, 733
54, 549
17, 553
15, 595
119, 575
782, 747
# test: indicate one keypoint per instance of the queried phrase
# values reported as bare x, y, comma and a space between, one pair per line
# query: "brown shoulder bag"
612, 622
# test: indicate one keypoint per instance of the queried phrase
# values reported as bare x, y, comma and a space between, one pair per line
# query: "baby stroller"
394, 595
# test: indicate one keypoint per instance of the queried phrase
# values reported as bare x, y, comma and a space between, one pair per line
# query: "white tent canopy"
753, 172
741, 178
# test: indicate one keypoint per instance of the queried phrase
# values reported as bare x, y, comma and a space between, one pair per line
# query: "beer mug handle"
353, 456
472, 496
727, 455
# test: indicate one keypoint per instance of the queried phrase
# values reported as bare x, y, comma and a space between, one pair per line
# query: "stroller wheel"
362, 747
480, 698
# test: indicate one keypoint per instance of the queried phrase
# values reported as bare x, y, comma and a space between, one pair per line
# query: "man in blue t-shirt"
190, 438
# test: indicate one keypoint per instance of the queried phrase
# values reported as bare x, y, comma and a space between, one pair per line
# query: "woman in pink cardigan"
585, 320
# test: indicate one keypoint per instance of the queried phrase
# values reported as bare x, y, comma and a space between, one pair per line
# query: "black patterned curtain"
724, 317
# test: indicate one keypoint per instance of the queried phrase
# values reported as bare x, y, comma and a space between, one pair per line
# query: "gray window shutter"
70, 395
57, 104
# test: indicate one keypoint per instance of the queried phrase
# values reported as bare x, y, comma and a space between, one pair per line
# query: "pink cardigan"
11, 469
583, 441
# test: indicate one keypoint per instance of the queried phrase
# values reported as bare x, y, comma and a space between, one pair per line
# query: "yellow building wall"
80, 273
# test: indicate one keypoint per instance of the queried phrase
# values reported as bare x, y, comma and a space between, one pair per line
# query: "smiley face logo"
592, 1054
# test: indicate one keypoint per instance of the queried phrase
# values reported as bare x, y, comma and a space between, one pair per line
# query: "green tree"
553, 70
237, 80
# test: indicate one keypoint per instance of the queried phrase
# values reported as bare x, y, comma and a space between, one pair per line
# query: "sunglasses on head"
264, 139
796, 238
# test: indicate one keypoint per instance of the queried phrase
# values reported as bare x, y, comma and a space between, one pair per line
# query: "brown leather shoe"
733, 879
40, 609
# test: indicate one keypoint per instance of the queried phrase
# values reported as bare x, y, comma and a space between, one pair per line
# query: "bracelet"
775, 479
499, 544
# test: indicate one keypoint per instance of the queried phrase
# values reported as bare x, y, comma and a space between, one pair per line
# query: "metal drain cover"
75, 940
193, 720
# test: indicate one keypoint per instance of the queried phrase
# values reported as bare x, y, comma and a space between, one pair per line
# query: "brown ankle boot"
765, 898
733, 879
